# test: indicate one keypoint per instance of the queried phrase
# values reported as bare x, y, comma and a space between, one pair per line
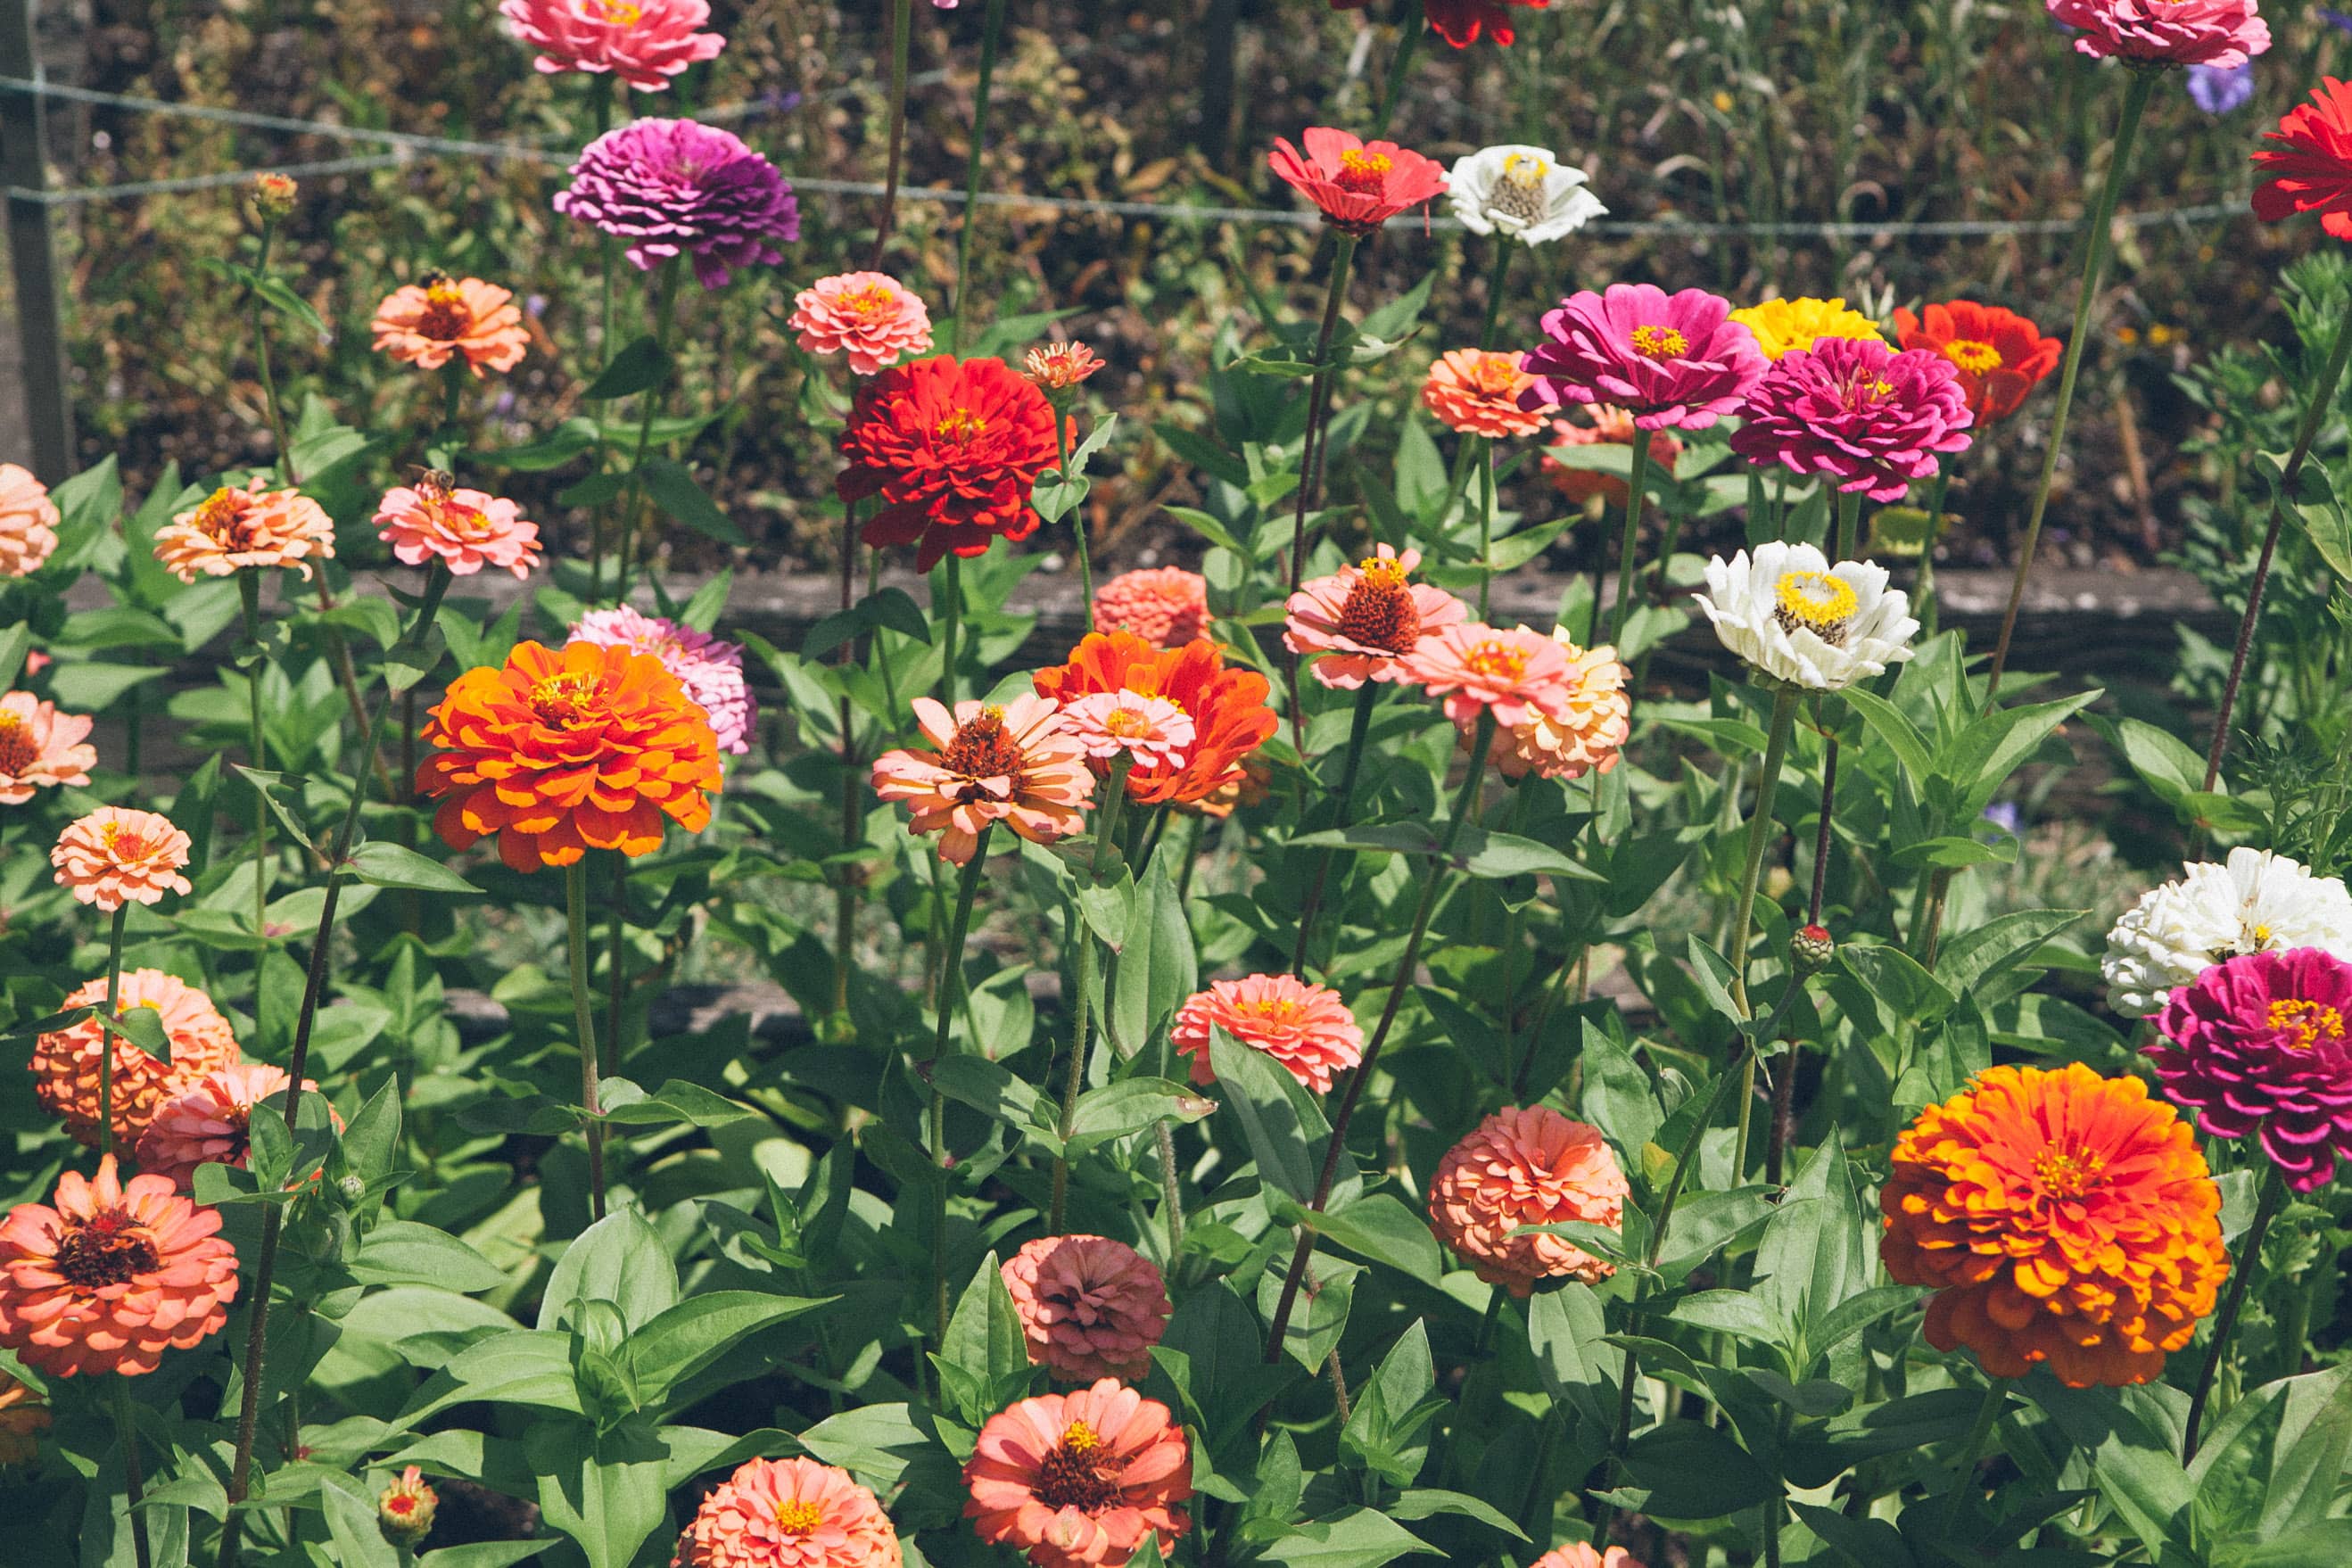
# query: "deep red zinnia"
1462, 22
953, 449
1359, 184
2001, 355
2310, 170
2260, 1045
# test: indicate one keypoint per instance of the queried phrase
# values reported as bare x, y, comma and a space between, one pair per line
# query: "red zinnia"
2310, 170
953, 449
1227, 707
1359, 184
1461, 22
1999, 355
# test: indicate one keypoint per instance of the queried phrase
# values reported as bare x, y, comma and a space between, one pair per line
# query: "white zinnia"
1525, 192
1798, 619
2257, 902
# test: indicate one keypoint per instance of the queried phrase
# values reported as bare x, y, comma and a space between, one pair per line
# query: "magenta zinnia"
1862, 415
2260, 1046
675, 187
1670, 360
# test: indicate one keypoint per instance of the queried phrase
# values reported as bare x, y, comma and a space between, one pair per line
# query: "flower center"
873, 300
2305, 1025
1362, 171
1129, 724
1378, 612
960, 424
108, 1248
445, 316
1519, 194
1283, 1011
1660, 343
616, 12
123, 843
1972, 355
982, 749
221, 518
16, 748
2064, 1174
400, 1503
1816, 601
1494, 375
1866, 389
798, 1516
1079, 1474
561, 702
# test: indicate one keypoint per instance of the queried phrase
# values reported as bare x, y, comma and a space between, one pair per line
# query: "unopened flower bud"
353, 1189
272, 197
404, 1512
1811, 949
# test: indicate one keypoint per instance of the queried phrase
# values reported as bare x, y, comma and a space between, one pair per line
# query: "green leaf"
1426, 1502
673, 488
281, 297
2327, 1544
2271, 1465
674, 1102
996, 1092
621, 1259
876, 1442
484, 1553
1285, 1131
1359, 1538
1694, 1471
143, 1027
1972, 958
1379, 1226
1564, 1332
1159, 967
605, 1490
680, 1341
402, 1252
387, 864
351, 1519
1894, 727
641, 365
1129, 1106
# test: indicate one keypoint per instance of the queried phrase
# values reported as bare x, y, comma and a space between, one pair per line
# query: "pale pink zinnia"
28, 522
709, 667
466, 529
643, 42
1167, 607
1090, 1307
1589, 738
2224, 34
1523, 1167
789, 1513
1516, 674
1305, 1028
40, 748
114, 856
1361, 620
870, 316
1147, 729
1018, 764
209, 1122
1080, 1480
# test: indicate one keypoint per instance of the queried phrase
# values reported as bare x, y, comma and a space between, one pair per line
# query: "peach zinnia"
40, 748
113, 1276
2062, 1218
66, 1061
1090, 1307
1146, 729
1305, 1028
1518, 675
871, 317
1610, 426
1078, 1480
1580, 1555
1019, 764
210, 1121
1165, 606
560, 751
1475, 392
1362, 619
235, 529
437, 318
1228, 709
789, 1513
28, 522
1523, 1166
116, 855
463, 529
1587, 738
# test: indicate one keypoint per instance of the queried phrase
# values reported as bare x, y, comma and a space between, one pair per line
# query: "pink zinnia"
28, 522
643, 42
209, 1122
1518, 675
675, 187
2260, 1045
1305, 1028
40, 748
1862, 415
710, 669
1149, 730
1090, 1307
789, 1513
1589, 738
1078, 1480
870, 316
1165, 606
2224, 34
1523, 1167
1363, 619
1018, 764
1670, 360
1359, 185
468, 530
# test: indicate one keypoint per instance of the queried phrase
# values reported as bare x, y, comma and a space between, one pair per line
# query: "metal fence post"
32, 256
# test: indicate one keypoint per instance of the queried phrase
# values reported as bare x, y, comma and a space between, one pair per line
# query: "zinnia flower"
2309, 170
1461, 23
115, 856
1305, 1028
870, 316
789, 1513
559, 752
1526, 1166
40, 748
426, 323
1361, 620
24, 1416
1358, 185
28, 522
1515, 674
1587, 738
2001, 355
2061, 1218
1019, 764
405, 1509
1673, 360
2260, 1045
2253, 903
1247, 787
709, 667
1580, 1555
465, 530
1090, 1307
643, 42
252, 527
1149, 730
209, 1122
65, 1063
1474, 393
1165, 606
1862, 415
673, 187
1522, 192
1078, 1480
1056, 367
1784, 326
1228, 708
1610, 426
113, 1276
2166, 32
1796, 619
953, 447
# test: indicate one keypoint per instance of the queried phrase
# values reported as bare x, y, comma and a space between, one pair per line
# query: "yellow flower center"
1279, 1010
617, 13
1128, 724
1081, 1438
2306, 1024
960, 424
872, 301
559, 702
1972, 355
122, 843
221, 518
1822, 603
1519, 193
1496, 660
16, 748
1362, 171
2064, 1174
797, 1516
1660, 343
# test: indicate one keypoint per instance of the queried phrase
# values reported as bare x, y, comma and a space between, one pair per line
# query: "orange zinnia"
66, 1062
2062, 1218
1227, 707
564, 749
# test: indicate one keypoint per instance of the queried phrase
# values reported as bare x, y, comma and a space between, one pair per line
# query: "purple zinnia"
1864, 415
675, 187
2218, 90
2262, 1043
711, 670
1670, 360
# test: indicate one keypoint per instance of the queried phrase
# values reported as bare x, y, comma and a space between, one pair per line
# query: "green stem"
901, 32
991, 28
1357, 728
1485, 523
616, 968
1399, 66
1505, 249
1971, 1451
134, 1486
1849, 524
949, 996
1106, 835
583, 1024
1637, 478
105, 1038
248, 585
2250, 1259
950, 611
1318, 401
1077, 523
275, 414
655, 399
1760, 833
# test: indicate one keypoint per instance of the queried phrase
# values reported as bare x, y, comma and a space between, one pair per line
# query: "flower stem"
1760, 833
1077, 523
901, 31
1318, 403
1359, 727
950, 611
991, 27
1485, 523
2094, 263
1971, 1451
248, 587
1505, 249
2250, 1255
583, 1024
1106, 835
1637, 478
654, 400
1399, 66
616, 968
105, 1038
270, 406
1849, 525
134, 1486
949, 996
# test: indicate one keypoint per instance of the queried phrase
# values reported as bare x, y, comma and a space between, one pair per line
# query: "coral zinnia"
709, 667
1525, 1166
1358, 185
643, 42
789, 1513
2255, 901
1165, 605
465, 530
1019, 764
1784, 326
1228, 708
557, 752
1589, 738
1580, 1555
428, 323
116, 855
40, 748
1362, 620
1078, 1480
1796, 619
675, 187
2001, 355
2166, 32
2061, 1218
871, 317
24, 1416
2310, 169
1090, 1307
2261, 1045
1474, 393
113, 1276
210, 1121
1610, 426
28, 522
1672, 361
1515, 674
1147, 729
235, 529
1305, 1028
953, 447
1862, 415
66, 1063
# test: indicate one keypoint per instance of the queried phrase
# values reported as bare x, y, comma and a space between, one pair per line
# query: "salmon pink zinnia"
66, 1066
1673, 360
2260, 1045
643, 42
41, 748
1358, 185
1305, 1028
1589, 738
1080, 1480
438, 317
1149, 729
789, 1513
953, 447
1165, 606
463, 529
2310, 168
1474, 393
1361, 620
116, 855
871, 317
209, 1122
1019, 764
1519, 1167
233, 529
1090, 1307
1517, 674
28, 522
1057, 367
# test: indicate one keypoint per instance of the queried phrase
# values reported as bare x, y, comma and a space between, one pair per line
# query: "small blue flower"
2218, 90
2003, 815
